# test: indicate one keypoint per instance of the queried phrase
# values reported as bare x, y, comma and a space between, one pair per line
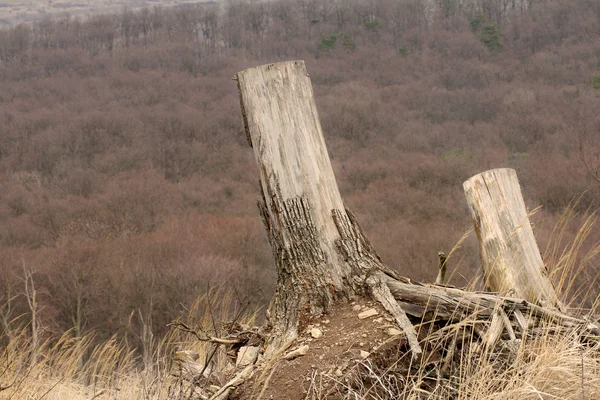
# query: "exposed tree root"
381, 292
224, 392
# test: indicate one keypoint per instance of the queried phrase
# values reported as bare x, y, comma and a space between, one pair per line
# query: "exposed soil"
346, 342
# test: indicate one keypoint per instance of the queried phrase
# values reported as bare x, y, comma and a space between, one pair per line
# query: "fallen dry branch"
437, 302
203, 336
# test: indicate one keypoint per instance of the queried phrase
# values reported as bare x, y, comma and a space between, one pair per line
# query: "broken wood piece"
441, 277
394, 332
507, 324
449, 354
494, 331
521, 321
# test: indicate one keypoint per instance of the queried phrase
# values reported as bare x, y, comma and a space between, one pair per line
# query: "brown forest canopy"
127, 184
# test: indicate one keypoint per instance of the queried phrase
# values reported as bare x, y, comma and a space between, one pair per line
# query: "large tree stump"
511, 260
321, 253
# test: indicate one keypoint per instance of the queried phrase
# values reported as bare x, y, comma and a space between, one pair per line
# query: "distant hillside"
14, 12
128, 186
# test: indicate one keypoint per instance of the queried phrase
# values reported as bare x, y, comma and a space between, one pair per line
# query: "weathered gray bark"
512, 263
321, 253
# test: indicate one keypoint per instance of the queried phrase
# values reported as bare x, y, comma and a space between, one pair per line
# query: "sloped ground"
336, 342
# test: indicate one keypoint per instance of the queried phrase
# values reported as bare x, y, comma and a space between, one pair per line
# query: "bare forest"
127, 187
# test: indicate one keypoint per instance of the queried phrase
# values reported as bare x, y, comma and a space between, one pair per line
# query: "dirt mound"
336, 346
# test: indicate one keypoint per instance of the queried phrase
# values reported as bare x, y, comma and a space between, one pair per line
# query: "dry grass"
567, 262
71, 368
78, 368
552, 367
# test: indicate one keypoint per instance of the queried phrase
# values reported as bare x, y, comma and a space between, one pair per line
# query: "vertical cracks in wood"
298, 223
349, 244
354, 246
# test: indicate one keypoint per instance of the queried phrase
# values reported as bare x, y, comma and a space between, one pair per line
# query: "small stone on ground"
394, 332
300, 351
368, 313
246, 355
